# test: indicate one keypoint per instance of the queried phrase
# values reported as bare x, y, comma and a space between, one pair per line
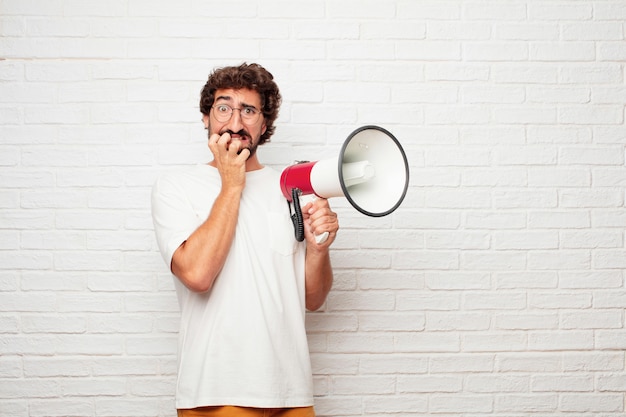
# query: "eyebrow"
229, 98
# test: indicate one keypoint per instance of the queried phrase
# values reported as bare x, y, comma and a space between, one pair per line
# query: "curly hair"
250, 76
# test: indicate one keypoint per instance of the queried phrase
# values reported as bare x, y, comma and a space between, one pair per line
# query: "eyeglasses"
223, 113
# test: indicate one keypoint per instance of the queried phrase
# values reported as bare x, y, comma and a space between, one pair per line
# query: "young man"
243, 281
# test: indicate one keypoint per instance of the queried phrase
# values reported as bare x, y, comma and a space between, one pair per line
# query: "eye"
250, 111
222, 108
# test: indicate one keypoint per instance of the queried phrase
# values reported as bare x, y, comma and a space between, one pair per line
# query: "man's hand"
319, 218
230, 159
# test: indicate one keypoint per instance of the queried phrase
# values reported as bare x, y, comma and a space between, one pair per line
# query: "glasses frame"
244, 117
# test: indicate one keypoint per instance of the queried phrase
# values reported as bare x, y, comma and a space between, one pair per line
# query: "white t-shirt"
243, 342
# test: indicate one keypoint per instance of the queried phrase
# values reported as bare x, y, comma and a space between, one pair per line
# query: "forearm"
198, 260
318, 219
318, 277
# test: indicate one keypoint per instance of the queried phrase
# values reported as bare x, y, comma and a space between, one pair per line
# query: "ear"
205, 121
264, 128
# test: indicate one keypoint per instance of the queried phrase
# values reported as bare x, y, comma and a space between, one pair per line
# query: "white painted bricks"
496, 289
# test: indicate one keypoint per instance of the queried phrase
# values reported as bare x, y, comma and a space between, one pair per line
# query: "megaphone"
371, 171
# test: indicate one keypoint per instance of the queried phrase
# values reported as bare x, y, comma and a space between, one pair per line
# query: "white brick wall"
497, 289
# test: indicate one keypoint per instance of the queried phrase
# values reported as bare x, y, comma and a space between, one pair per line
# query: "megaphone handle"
322, 237
296, 217
298, 220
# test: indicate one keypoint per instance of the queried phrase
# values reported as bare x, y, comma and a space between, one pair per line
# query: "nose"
235, 124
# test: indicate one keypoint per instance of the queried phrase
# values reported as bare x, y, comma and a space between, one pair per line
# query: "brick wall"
497, 289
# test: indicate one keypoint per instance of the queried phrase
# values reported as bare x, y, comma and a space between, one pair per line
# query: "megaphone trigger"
319, 239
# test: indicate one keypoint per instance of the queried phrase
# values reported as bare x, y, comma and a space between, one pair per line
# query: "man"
243, 281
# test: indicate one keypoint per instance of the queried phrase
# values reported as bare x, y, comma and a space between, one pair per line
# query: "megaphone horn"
371, 171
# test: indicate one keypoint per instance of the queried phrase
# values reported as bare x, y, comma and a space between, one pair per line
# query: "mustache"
241, 132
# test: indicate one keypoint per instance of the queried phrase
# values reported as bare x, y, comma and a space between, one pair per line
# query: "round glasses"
223, 113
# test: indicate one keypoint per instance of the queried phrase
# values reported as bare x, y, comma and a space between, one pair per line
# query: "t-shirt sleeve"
172, 215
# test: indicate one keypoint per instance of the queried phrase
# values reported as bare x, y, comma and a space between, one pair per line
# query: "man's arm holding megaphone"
318, 219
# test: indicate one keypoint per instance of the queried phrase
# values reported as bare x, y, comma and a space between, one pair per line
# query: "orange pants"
231, 411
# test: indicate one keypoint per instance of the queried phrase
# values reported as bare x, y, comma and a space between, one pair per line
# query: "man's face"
237, 112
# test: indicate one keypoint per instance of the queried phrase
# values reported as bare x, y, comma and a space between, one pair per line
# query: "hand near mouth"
229, 158
238, 138
237, 145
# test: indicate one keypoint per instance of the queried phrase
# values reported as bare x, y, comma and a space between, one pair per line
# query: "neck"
253, 164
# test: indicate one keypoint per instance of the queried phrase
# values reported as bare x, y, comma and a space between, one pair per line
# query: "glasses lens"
224, 112
249, 114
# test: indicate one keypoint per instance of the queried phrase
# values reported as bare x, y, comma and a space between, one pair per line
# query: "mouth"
241, 135
244, 142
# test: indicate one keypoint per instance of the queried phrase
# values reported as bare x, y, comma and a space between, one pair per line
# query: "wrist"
317, 251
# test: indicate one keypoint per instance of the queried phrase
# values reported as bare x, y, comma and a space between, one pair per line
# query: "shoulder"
265, 175
185, 181
185, 175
